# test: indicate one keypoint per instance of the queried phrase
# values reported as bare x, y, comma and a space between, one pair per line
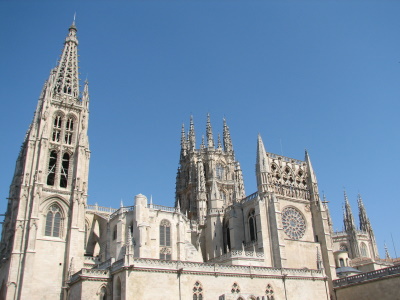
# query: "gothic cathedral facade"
217, 242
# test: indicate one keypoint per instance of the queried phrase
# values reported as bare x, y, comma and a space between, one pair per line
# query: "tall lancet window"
252, 226
220, 171
53, 221
57, 128
165, 240
52, 168
69, 128
64, 170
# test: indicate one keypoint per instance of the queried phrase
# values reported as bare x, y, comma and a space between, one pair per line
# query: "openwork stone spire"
67, 79
192, 136
183, 141
227, 138
348, 215
365, 224
210, 139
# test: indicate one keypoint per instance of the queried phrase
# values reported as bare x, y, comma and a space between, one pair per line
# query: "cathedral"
216, 242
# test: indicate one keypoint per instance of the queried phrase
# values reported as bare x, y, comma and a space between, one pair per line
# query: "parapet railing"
284, 158
101, 209
161, 207
366, 276
122, 210
98, 273
238, 254
250, 197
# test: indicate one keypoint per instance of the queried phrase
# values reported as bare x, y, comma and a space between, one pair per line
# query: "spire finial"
67, 74
210, 139
73, 23
387, 255
192, 137
219, 142
227, 137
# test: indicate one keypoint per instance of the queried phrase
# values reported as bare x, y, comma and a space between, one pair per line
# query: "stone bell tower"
44, 228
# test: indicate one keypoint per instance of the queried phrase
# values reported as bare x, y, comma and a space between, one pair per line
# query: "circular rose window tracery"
293, 223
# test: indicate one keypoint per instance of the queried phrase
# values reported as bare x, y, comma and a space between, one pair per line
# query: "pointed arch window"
220, 171
64, 170
252, 226
227, 237
165, 240
364, 251
198, 291
52, 168
118, 289
269, 292
115, 232
57, 128
69, 128
103, 293
53, 221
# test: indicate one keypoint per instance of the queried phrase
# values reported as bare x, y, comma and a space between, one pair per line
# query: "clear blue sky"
317, 75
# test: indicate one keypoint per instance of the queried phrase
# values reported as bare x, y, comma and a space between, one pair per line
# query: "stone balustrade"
367, 276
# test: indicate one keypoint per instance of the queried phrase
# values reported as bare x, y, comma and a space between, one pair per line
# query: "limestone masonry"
217, 242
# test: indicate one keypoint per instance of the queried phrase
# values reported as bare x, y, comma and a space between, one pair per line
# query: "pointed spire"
310, 168
348, 215
227, 138
210, 139
262, 160
192, 136
219, 147
215, 195
262, 166
122, 203
85, 94
387, 254
328, 214
202, 145
183, 141
365, 224
67, 78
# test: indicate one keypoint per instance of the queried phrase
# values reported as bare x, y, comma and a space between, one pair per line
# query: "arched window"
52, 168
252, 226
69, 128
198, 291
53, 221
103, 294
64, 170
341, 262
269, 292
220, 171
165, 240
57, 128
115, 232
227, 237
117, 291
364, 251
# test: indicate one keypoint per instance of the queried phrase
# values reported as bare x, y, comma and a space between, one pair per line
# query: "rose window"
293, 222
